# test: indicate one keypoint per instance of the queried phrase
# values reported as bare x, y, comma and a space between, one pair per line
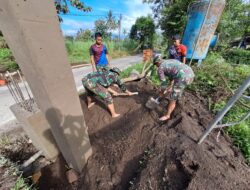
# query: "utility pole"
120, 24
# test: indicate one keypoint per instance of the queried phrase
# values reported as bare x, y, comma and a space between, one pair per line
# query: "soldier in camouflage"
179, 74
98, 83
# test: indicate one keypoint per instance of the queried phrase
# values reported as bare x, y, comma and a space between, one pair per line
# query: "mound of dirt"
135, 151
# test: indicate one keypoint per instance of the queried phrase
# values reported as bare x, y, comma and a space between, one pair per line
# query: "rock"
134, 73
72, 176
36, 177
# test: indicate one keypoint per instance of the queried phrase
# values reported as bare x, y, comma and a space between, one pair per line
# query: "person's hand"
115, 94
130, 93
168, 90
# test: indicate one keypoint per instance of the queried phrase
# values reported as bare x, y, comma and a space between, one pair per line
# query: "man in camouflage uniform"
180, 76
98, 83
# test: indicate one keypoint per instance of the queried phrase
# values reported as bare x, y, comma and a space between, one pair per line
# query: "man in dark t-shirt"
99, 55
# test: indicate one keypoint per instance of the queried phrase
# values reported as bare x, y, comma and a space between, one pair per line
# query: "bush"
239, 133
7, 60
238, 56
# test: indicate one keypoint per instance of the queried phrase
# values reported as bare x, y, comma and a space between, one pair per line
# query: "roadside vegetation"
78, 51
10, 175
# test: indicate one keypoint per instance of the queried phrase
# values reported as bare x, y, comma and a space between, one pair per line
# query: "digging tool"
125, 94
152, 103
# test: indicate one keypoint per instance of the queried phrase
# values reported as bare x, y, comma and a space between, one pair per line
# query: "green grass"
78, 51
12, 171
138, 67
208, 81
218, 75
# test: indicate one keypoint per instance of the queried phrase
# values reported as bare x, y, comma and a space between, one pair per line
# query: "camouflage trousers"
178, 88
98, 90
102, 68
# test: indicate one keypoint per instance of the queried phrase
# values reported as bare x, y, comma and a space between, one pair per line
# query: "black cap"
176, 37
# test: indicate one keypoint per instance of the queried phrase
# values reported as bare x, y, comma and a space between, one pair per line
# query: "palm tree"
111, 22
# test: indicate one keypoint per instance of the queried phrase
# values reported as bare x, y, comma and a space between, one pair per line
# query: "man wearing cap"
178, 51
179, 74
99, 55
98, 83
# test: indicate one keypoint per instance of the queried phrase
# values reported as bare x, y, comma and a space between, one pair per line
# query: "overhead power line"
86, 15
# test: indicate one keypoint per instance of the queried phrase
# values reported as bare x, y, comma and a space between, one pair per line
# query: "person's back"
105, 79
175, 70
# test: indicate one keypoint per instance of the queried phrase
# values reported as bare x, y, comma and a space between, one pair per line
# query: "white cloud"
135, 9
70, 26
69, 32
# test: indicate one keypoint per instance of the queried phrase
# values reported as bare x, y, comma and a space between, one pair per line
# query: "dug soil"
135, 151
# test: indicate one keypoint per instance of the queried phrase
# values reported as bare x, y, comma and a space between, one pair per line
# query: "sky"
130, 10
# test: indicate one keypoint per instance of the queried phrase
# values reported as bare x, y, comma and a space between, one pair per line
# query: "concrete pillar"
38, 130
31, 29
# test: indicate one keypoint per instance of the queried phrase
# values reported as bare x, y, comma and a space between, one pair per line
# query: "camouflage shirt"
175, 70
106, 79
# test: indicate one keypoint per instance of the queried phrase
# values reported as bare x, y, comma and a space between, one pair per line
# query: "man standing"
98, 83
99, 55
179, 74
178, 51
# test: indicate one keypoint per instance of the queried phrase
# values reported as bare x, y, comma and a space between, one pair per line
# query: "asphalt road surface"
6, 99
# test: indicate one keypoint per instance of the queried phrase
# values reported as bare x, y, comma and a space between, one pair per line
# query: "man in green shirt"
179, 74
99, 83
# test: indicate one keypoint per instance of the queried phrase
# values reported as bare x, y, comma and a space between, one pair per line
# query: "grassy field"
78, 52
216, 77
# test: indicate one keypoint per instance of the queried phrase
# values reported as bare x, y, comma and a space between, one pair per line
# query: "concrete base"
38, 130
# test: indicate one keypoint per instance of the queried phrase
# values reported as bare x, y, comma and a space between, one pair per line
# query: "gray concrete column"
31, 29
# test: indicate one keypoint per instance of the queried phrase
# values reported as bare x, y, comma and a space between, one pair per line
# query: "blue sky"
130, 10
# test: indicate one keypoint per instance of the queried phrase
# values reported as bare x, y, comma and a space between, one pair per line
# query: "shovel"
125, 94
152, 103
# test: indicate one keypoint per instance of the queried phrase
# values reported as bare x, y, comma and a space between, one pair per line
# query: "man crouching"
179, 74
99, 83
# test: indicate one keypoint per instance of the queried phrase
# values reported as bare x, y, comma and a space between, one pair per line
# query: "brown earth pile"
135, 151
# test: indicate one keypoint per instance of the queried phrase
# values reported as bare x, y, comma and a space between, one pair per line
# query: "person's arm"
170, 87
92, 60
162, 78
184, 54
108, 58
113, 91
93, 63
184, 60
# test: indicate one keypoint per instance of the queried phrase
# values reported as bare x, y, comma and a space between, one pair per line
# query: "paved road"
6, 99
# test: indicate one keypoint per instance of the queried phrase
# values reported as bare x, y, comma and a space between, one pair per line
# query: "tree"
143, 31
101, 26
62, 6
112, 24
235, 21
84, 35
171, 15
124, 31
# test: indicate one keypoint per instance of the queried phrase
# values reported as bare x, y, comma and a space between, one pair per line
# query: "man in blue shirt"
99, 55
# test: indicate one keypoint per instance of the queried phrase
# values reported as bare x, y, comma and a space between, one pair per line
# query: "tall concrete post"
31, 29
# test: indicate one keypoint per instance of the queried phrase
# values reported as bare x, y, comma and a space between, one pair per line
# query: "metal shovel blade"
152, 103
